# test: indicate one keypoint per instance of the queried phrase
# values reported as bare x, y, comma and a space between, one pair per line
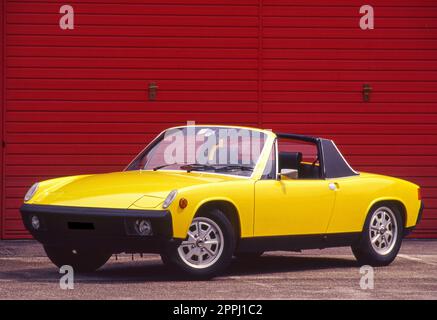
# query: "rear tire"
208, 248
381, 238
82, 260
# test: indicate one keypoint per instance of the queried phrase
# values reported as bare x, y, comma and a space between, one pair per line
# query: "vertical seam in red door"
260, 61
3, 116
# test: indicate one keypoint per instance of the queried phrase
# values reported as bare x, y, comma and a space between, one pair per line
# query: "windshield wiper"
230, 167
197, 167
204, 167
188, 167
162, 166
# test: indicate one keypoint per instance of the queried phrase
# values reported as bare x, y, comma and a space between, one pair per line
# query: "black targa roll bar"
332, 162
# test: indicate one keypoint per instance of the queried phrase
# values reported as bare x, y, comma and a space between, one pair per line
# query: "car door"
293, 207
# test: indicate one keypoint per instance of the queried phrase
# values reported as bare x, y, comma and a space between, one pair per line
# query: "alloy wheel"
204, 244
383, 230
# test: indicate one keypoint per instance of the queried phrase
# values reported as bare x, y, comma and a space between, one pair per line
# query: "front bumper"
110, 229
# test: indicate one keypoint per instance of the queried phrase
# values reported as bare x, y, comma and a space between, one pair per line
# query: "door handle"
332, 186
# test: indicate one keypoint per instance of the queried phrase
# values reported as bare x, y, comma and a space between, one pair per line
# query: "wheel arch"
392, 202
228, 208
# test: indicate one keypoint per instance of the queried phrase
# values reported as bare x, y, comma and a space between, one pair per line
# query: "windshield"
225, 150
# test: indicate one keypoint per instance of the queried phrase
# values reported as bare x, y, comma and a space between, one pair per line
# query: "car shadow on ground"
279, 264
155, 271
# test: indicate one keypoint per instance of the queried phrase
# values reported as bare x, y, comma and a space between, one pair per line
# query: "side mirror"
288, 174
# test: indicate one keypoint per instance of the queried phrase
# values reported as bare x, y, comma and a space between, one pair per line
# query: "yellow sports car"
199, 195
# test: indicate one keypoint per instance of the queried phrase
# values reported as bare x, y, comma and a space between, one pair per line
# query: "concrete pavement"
25, 273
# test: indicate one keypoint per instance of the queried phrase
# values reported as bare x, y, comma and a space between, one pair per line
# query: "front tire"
381, 238
208, 248
82, 260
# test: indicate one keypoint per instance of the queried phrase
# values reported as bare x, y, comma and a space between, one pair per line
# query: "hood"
121, 189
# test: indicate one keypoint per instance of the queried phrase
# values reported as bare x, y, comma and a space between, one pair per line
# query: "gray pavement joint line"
411, 258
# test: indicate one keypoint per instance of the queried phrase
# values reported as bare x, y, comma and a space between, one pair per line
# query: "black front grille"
80, 226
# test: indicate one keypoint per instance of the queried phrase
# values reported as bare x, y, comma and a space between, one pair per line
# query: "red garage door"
316, 60
78, 101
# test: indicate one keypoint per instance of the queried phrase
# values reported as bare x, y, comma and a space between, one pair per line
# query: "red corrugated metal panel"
77, 100
316, 60
2, 102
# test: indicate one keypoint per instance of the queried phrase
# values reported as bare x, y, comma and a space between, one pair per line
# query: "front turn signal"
183, 203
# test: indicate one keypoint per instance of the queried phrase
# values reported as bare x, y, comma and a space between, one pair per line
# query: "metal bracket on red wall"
367, 89
153, 91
